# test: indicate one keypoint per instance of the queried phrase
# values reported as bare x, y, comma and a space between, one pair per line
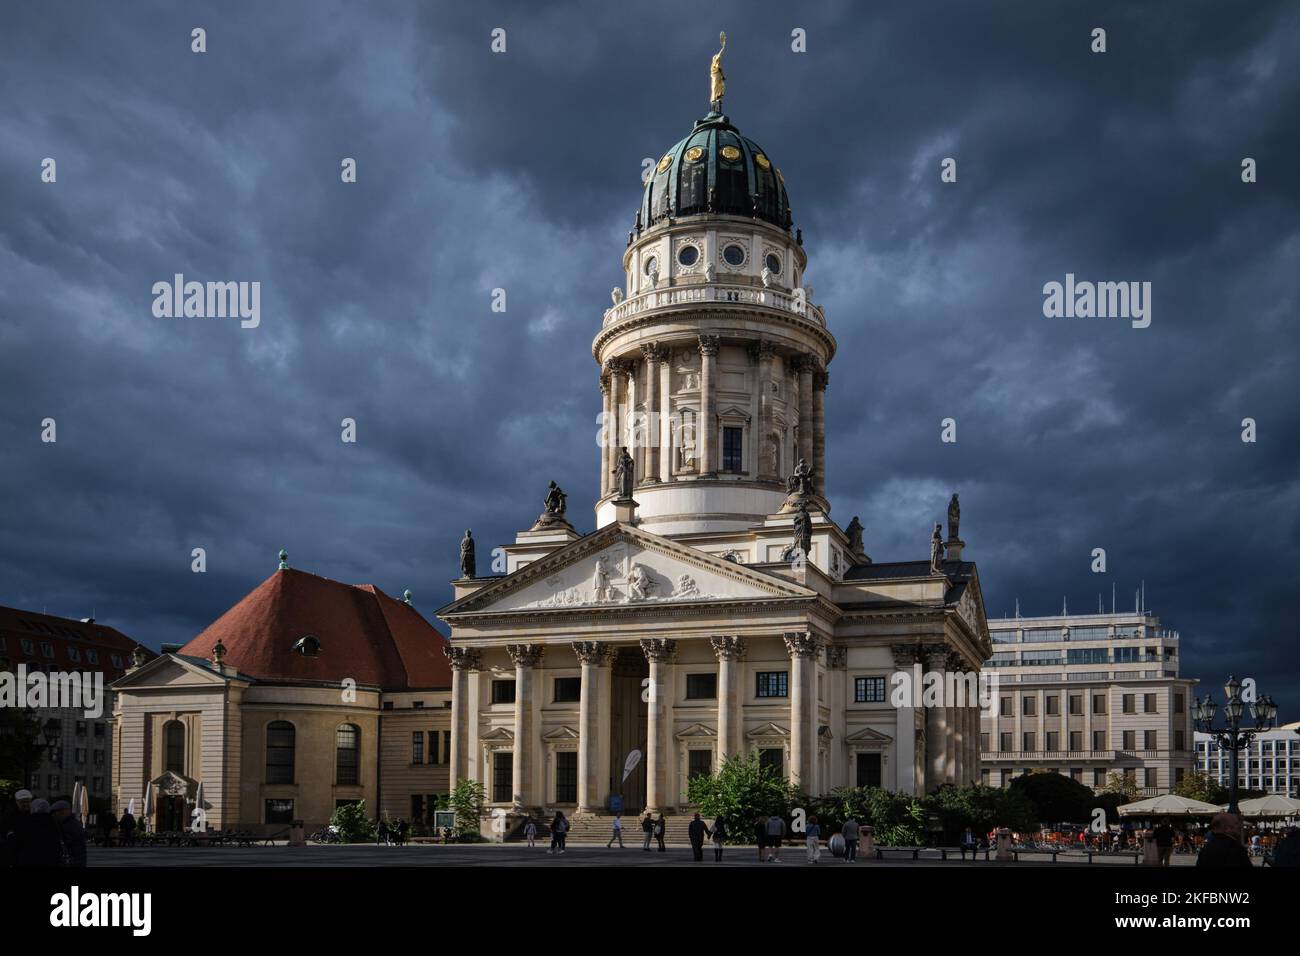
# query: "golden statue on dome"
717, 79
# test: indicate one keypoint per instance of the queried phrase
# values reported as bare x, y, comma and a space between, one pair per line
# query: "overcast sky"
521, 171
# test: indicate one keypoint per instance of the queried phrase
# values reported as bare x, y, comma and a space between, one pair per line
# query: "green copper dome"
715, 171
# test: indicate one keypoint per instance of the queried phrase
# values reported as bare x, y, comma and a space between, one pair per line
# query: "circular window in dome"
688, 255
774, 263
665, 163
730, 153
762, 161
734, 254
695, 154
651, 265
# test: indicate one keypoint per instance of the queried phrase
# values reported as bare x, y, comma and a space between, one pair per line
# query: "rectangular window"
868, 690
1130, 703
773, 684
279, 811
732, 459
99, 758
1150, 777
47, 649
566, 776
1130, 740
1076, 740
984, 743
1027, 708
1148, 703
81, 728
701, 687
417, 807
1179, 740
97, 784
1076, 704
92, 657
1099, 778
568, 690
1099, 740
99, 730
1053, 705
1029, 741
1053, 741
1178, 703
503, 692
772, 758
417, 746
1099, 703
54, 781
433, 747
446, 746
699, 763
1076, 774
28, 646
1004, 742
1085, 655
1004, 707
81, 754
503, 770
869, 770
1149, 740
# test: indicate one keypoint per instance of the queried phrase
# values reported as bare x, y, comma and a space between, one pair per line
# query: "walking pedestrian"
648, 828
126, 827
813, 840
617, 834
559, 827
71, 834
695, 831
968, 843
851, 833
660, 826
775, 833
719, 833
530, 832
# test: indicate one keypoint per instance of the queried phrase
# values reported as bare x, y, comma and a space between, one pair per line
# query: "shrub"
354, 826
742, 792
1056, 798
467, 801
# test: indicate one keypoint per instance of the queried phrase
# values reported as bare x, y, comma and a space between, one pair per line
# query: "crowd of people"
35, 832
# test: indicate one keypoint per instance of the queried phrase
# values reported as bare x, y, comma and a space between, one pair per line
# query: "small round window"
734, 254
688, 255
651, 265
773, 264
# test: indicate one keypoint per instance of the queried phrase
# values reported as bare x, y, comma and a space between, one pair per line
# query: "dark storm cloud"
521, 171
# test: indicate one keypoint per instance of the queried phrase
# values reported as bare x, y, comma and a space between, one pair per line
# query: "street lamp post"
1232, 737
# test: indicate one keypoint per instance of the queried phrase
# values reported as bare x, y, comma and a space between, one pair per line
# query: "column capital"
659, 649
936, 655
801, 643
954, 661
654, 352
462, 658
605, 381
728, 648
708, 345
593, 652
618, 366
905, 655
821, 378
837, 657
525, 655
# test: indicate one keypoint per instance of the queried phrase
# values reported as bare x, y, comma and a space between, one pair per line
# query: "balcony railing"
700, 294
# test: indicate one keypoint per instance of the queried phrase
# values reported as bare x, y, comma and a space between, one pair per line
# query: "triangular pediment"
767, 730
696, 731
619, 566
169, 670
498, 733
561, 733
868, 736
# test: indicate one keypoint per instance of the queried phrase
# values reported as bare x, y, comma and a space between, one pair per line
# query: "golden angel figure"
717, 79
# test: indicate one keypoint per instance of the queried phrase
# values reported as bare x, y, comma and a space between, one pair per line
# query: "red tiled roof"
66, 637
364, 634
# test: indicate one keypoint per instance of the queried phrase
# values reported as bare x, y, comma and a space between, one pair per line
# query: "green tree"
741, 792
1118, 782
980, 808
467, 801
1056, 798
354, 826
1197, 785
896, 819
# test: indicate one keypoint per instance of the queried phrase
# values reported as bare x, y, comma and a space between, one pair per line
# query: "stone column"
905, 656
956, 748
592, 655
804, 367
707, 439
766, 354
937, 728
802, 647
650, 470
821, 378
665, 415
729, 651
526, 657
618, 396
463, 660
659, 651
607, 432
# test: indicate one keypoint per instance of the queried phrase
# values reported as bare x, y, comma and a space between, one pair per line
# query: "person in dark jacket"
1224, 848
37, 842
71, 833
126, 828
718, 833
1288, 850
559, 827
660, 826
648, 827
696, 831
15, 820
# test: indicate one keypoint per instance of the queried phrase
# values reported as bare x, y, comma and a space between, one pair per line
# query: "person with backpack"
775, 833
648, 828
718, 832
559, 827
660, 826
530, 832
851, 832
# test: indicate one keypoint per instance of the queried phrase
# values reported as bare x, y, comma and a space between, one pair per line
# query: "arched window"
347, 755
279, 751
174, 735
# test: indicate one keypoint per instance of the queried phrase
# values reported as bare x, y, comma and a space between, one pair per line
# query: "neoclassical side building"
717, 609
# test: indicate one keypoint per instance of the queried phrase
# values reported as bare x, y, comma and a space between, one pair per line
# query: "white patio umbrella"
198, 805
1168, 805
130, 806
148, 803
76, 798
83, 804
1273, 805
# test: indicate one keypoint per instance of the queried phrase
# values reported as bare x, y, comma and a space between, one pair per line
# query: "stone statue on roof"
954, 517
467, 562
854, 532
936, 550
556, 501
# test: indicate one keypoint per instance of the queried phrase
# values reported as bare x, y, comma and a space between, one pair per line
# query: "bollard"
297, 834
866, 845
1004, 844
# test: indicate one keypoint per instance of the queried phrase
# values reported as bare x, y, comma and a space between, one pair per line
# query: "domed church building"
718, 609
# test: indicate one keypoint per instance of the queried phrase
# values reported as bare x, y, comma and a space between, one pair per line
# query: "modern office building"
1086, 694
1270, 763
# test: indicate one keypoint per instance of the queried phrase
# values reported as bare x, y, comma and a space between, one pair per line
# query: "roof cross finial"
284, 560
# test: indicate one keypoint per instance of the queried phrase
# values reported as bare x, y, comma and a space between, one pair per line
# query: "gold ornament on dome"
695, 154
665, 163
762, 161
780, 177
730, 153
717, 79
